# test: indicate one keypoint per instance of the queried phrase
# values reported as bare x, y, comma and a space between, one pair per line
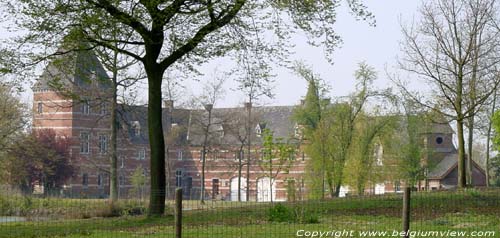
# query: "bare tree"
451, 48
209, 126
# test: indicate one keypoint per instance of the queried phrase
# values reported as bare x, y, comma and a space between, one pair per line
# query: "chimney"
209, 107
169, 104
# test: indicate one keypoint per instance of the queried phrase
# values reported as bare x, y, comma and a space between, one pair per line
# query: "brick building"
71, 98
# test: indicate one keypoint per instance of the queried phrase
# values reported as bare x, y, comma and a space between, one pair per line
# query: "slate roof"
442, 168
278, 119
70, 69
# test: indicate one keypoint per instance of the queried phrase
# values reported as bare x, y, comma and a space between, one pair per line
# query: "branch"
202, 33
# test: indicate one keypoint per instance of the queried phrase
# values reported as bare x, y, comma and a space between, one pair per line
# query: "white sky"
378, 46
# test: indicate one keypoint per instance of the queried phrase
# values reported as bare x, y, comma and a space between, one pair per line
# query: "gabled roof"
448, 164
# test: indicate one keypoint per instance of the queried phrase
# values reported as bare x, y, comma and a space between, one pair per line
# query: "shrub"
281, 213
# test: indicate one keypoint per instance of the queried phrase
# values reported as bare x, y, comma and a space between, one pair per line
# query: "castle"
70, 98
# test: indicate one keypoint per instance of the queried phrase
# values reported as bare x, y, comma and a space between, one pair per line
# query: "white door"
343, 191
264, 193
380, 188
234, 189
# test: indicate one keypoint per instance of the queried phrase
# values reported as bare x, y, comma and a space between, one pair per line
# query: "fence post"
178, 213
406, 211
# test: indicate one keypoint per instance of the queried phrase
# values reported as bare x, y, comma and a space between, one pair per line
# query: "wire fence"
447, 213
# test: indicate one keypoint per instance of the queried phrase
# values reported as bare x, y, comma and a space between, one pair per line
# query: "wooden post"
406, 211
178, 213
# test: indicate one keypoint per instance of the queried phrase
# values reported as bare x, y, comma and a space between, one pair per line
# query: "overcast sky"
378, 46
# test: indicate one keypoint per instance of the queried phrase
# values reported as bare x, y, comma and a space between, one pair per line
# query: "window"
85, 107
439, 140
189, 185
84, 143
397, 186
240, 155
215, 154
121, 180
40, 108
104, 108
85, 180
258, 131
141, 154
179, 155
201, 155
178, 178
99, 180
215, 188
103, 144
122, 159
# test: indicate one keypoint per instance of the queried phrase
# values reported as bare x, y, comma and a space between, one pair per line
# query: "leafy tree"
308, 117
12, 116
39, 158
162, 38
366, 148
139, 181
276, 157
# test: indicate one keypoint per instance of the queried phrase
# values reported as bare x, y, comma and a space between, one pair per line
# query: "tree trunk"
462, 182
470, 137
240, 165
488, 139
249, 147
203, 159
113, 183
156, 141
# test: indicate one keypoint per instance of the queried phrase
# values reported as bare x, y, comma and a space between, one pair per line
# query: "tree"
453, 46
315, 130
138, 180
276, 157
162, 38
255, 82
39, 158
209, 126
345, 117
491, 113
117, 66
365, 153
12, 116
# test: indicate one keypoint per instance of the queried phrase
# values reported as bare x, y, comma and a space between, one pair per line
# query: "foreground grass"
431, 212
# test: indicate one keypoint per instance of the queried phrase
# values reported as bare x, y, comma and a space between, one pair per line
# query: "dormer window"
219, 130
259, 129
136, 126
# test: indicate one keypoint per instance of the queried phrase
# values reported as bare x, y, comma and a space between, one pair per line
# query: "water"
12, 219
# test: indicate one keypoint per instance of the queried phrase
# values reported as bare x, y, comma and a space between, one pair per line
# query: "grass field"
441, 211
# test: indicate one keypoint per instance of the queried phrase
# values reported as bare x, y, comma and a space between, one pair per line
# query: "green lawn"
466, 211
